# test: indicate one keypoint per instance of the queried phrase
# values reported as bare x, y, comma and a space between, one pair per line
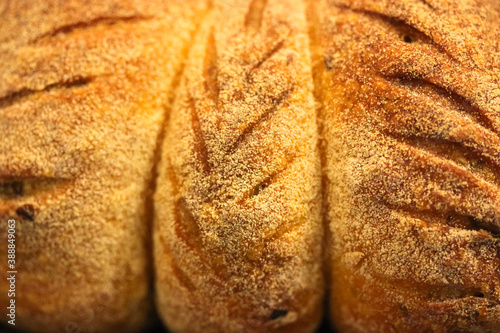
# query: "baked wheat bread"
83, 91
237, 229
210, 105
410, 111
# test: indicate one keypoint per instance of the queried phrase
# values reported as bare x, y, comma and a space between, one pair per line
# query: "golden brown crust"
82, 99
238, 230
410, 119
411, 116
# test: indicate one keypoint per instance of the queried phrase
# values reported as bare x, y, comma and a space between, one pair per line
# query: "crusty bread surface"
410, 120
204, 143
237, 228
83, 91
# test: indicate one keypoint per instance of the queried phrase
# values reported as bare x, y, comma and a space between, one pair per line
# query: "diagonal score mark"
16, 96
265, 58
268, 180
13, 188
200, 145
210, 69
105, 20
255, 14
397, 22
277, 102
428, 4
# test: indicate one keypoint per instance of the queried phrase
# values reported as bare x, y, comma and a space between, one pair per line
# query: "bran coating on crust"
238, 226
410, 125
83, 94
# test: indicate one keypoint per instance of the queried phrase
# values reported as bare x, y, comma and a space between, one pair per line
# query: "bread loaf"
83, 91
411, 121
238, 229
201, 146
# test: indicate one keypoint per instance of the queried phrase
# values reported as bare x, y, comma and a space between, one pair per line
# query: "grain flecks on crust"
83, 95
410, 124
238, 229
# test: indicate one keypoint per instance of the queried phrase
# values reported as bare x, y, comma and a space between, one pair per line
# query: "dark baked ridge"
411, 121
238, 227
